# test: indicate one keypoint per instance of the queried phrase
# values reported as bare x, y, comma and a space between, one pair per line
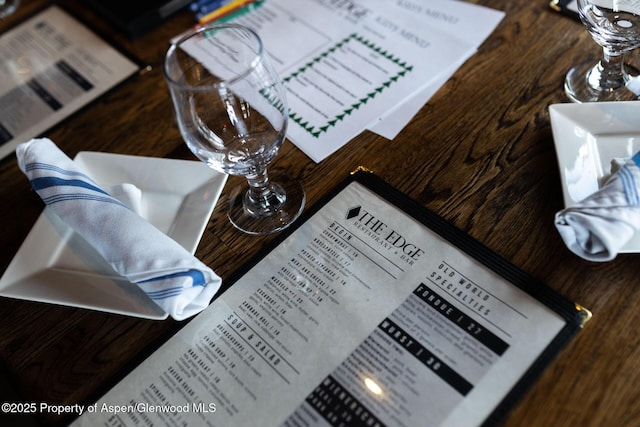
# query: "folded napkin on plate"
173, 278
599, 226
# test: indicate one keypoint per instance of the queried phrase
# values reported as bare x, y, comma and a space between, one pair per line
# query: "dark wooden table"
480, 153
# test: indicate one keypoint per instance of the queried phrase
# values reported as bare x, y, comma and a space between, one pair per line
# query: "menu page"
51, 66
373, 68
361, 316
460, 20
341, 77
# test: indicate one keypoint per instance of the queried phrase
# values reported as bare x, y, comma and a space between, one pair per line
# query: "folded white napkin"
173, 278
599, 226
128, 194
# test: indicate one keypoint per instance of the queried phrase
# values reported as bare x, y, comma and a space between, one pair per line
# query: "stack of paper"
355, 65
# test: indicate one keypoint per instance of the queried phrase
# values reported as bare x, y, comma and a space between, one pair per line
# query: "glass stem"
262, 198
609, 73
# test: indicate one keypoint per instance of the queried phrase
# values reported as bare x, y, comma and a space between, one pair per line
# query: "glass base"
289, 203
581, 85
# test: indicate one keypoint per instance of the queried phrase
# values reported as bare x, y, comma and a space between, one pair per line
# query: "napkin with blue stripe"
597, 227
171, 276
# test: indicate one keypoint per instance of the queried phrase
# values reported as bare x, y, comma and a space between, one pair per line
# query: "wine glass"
615, 26
7, 7
232, 112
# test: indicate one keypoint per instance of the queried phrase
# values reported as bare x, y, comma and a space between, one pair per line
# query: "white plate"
587, 138
54, 266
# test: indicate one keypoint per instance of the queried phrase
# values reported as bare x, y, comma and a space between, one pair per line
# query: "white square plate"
587, 138
53, 265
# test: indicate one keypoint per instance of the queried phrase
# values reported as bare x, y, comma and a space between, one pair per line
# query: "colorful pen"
208, 8
225, 10
197, 5
239, 12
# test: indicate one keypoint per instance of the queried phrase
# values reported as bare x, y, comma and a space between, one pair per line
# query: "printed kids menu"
352, 65
51, 66
372, 312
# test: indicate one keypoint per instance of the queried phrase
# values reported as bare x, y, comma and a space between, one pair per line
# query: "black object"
567, 7
135, 18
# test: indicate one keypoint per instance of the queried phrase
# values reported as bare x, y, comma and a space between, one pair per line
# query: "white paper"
51, 66
465, 21
349, 66
393, 121
341, 77
361, 312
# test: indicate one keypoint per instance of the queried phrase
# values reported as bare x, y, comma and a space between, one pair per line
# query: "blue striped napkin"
597, 227
173, 278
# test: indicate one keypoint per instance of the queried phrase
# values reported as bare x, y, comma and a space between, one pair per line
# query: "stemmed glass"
615, 26
232, 112
7, 7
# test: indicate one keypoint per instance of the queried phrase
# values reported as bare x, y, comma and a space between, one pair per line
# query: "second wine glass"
615, 26
7, 7
232, 112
